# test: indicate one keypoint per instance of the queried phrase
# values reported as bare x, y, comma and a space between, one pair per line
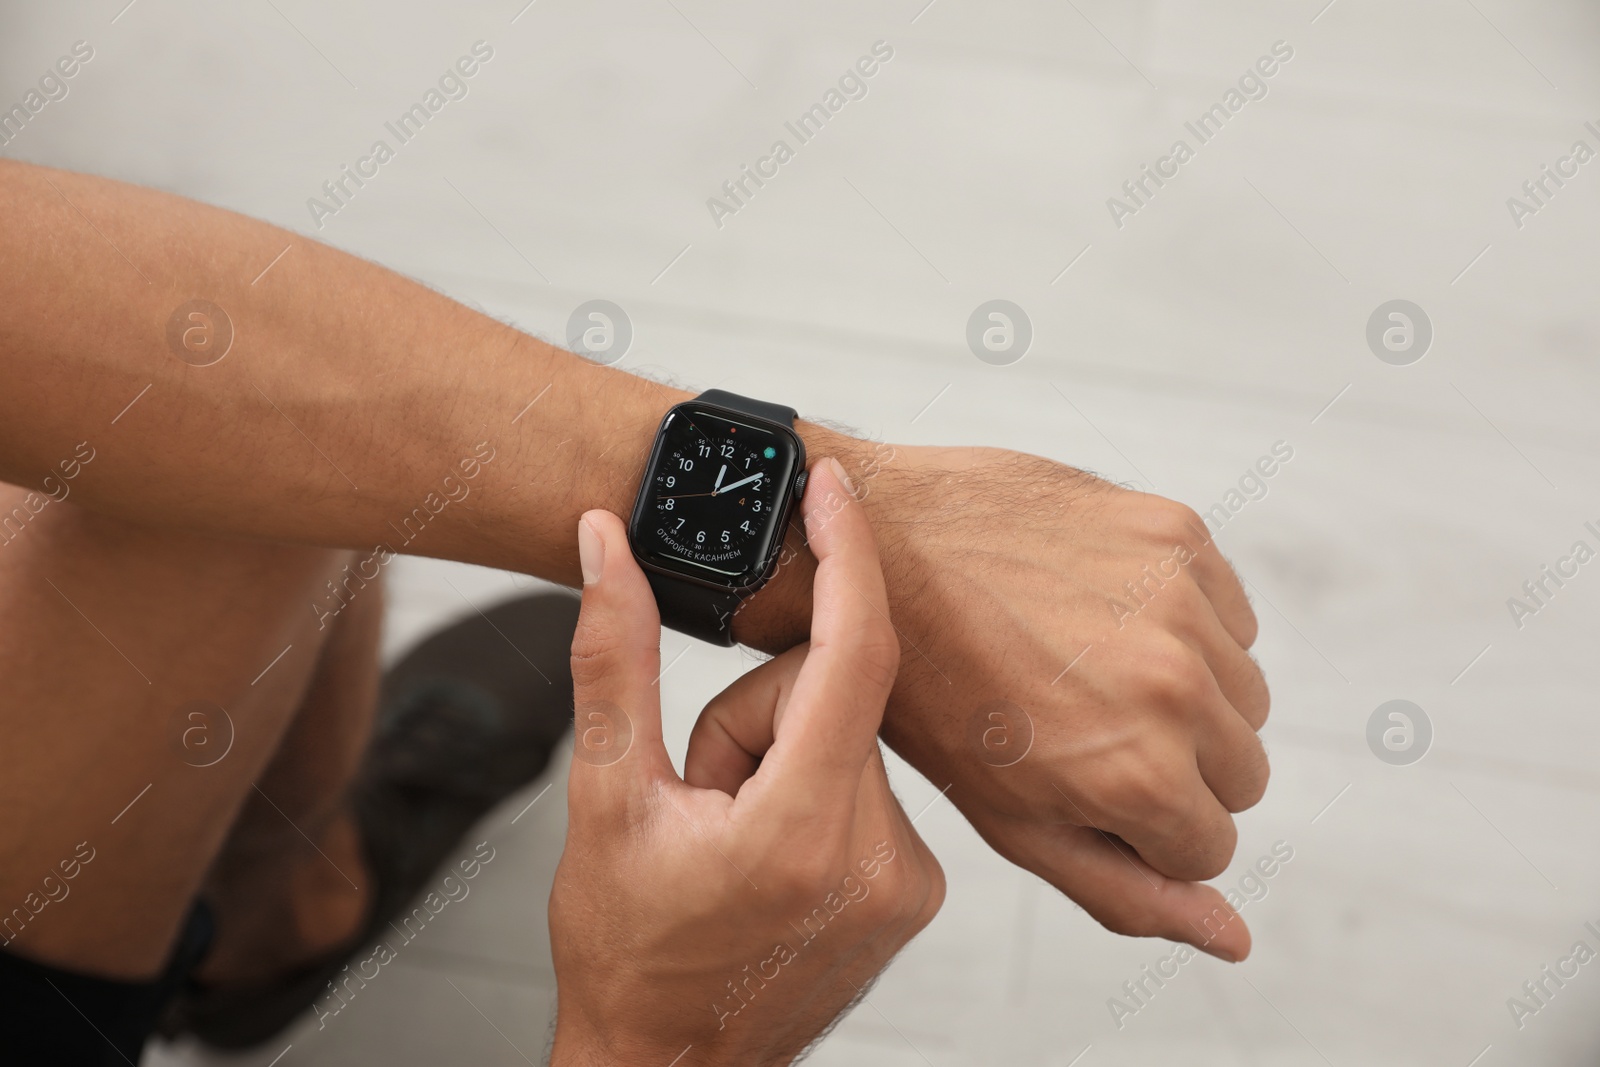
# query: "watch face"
712, 503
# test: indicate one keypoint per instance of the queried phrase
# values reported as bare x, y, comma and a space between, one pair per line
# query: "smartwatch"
724, 477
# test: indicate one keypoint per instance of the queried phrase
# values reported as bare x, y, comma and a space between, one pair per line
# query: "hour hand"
718, 483
737, 484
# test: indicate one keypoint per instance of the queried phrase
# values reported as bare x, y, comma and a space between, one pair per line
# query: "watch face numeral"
711, 500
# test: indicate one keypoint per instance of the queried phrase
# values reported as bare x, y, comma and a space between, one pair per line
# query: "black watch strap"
759, 408
694, 609
689, 607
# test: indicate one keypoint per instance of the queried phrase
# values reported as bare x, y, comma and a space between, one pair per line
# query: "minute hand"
737, 484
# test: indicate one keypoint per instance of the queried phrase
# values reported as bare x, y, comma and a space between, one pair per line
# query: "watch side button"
800, 484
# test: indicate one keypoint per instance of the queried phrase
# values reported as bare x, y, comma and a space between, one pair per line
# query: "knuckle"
1182, 516
1250, 795
874, 655
934, 899
593, 638
1196, 848
596, 646
923, 898
799, 875
1176, 677
1191, 599
1259, 701
891, 902
1168, 520
589, 669
1141, 792
1206, 866
912, 913
1249, 625
1201, 864
1209, 862
1130, 785
1182, 606
1253, 781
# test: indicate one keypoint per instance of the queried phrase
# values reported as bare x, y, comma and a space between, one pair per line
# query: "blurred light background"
1171, 347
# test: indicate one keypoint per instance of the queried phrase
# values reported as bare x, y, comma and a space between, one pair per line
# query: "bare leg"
112, 631
290, 884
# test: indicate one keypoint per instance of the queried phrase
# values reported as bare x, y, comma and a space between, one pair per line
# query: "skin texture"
740, 909
356, 409
123, 632
1143, 706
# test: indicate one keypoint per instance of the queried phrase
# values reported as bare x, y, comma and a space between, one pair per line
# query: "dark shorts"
56, 1018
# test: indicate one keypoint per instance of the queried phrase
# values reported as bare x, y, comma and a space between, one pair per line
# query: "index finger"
830, 725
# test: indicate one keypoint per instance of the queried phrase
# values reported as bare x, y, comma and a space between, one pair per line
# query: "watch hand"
718, 482
737, 484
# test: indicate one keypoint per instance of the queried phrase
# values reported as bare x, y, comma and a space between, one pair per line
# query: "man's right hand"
740, 909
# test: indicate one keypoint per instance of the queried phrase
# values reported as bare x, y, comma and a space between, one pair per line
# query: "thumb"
616, 666
830, 723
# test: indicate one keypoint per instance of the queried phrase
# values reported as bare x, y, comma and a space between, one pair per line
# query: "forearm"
349, 396
354, 407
